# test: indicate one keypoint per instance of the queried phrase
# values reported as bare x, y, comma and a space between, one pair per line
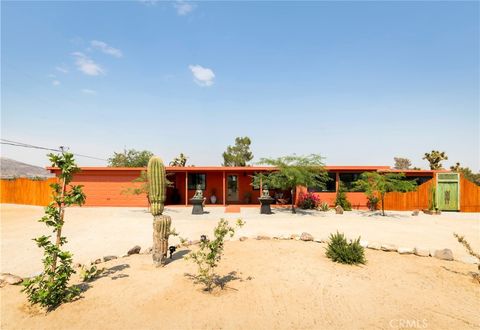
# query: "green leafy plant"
50, 288
340, 250
378, 184
130, 158
89, 273
341, 198
239, 154
324, 207
208, 256
293, 171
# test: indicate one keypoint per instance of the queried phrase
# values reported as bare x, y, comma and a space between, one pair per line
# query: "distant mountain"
10, 168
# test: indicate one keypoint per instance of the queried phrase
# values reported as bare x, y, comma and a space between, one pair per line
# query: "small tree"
179, 161
239, 154
50, 288
130, 158
435, 159
294, 171
341, 198
374, 183
402, 163
210, 253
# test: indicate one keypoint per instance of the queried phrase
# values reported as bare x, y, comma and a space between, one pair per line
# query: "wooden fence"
413, 200
26, 191
469, 196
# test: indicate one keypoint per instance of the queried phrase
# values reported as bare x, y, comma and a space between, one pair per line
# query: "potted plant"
213, 198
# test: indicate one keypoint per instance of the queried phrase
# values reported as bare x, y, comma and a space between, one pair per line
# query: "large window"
195, 179
330, 185
348, 180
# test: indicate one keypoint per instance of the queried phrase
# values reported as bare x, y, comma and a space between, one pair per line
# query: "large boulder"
134, 250
306, 237
10, 279
444, 254
338, 209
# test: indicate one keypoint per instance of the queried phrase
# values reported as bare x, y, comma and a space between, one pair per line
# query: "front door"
447, 191
232, 188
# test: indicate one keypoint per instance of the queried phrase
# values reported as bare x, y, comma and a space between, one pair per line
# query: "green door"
447, 193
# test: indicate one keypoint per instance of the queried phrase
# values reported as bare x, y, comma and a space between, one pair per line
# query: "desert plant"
179, 161
157, 185
130, 158
308, 201
324, 207
340, 250
432, 198
341, 198
89, 273
435, 159
50, 288
208, 256
464, 242
372, 202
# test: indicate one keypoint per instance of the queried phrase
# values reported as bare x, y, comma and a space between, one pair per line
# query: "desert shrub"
341, 198
208, 256
372, 202
466, 245
87, 274
340, 250
324, 207
308, 201
50, 288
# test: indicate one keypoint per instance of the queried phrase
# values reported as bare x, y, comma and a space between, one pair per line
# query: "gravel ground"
94, 232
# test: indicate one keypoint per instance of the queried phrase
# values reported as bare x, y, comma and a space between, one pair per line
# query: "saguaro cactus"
157, 183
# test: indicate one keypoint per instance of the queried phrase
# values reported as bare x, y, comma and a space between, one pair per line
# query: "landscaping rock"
306, 237
388, 247
263, 237
295, 237
243, 238
10, 279
284, 237
97, 261
405, 250
469, 260
421, 252
374, 246
363, 243
108, 258
134, 250
338, 209
415, 212
445, 254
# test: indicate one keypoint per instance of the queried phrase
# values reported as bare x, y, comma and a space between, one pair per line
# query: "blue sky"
358, 82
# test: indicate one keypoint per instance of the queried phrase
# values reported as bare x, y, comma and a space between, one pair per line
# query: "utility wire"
26, 145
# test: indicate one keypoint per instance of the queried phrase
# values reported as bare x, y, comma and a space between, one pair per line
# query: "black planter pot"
197, 205
265, 205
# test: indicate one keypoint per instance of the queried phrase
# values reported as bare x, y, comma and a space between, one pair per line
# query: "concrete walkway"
94, 232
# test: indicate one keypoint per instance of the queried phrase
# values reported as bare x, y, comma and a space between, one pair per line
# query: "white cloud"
183, 8
87, 65
61, 68
148, 2
55, 83
89, 91
105, 48
202, 76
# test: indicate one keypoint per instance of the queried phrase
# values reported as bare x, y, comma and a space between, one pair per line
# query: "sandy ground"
269, 285
94, 232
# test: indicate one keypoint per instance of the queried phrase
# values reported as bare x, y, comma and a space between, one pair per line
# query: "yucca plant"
340, 250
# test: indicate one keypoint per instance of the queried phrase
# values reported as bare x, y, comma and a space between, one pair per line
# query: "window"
348, 180
330, 185
195, 179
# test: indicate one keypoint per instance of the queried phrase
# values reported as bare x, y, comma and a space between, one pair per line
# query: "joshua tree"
435, 159
179, 161
157, 185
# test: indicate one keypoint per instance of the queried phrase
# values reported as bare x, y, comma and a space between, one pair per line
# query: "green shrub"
342, 198
324, 207
339, 250
89, 273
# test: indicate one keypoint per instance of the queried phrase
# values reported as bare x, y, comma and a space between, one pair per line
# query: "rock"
363, 243
306, 237
445, 254
97, 261
134, 250
294, 236
263, 237
284, 237
338, 209
147, 250
469, 260
421, 252
388, 247
405, 250
10, 279
415, 212
108, 258
243, 238
374, 246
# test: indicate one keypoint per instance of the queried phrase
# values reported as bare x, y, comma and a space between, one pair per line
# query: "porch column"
224, 192
186, 189
337, 180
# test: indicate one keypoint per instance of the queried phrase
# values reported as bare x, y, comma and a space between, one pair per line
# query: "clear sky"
358, 82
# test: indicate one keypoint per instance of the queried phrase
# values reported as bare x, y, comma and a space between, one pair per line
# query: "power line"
31, 146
